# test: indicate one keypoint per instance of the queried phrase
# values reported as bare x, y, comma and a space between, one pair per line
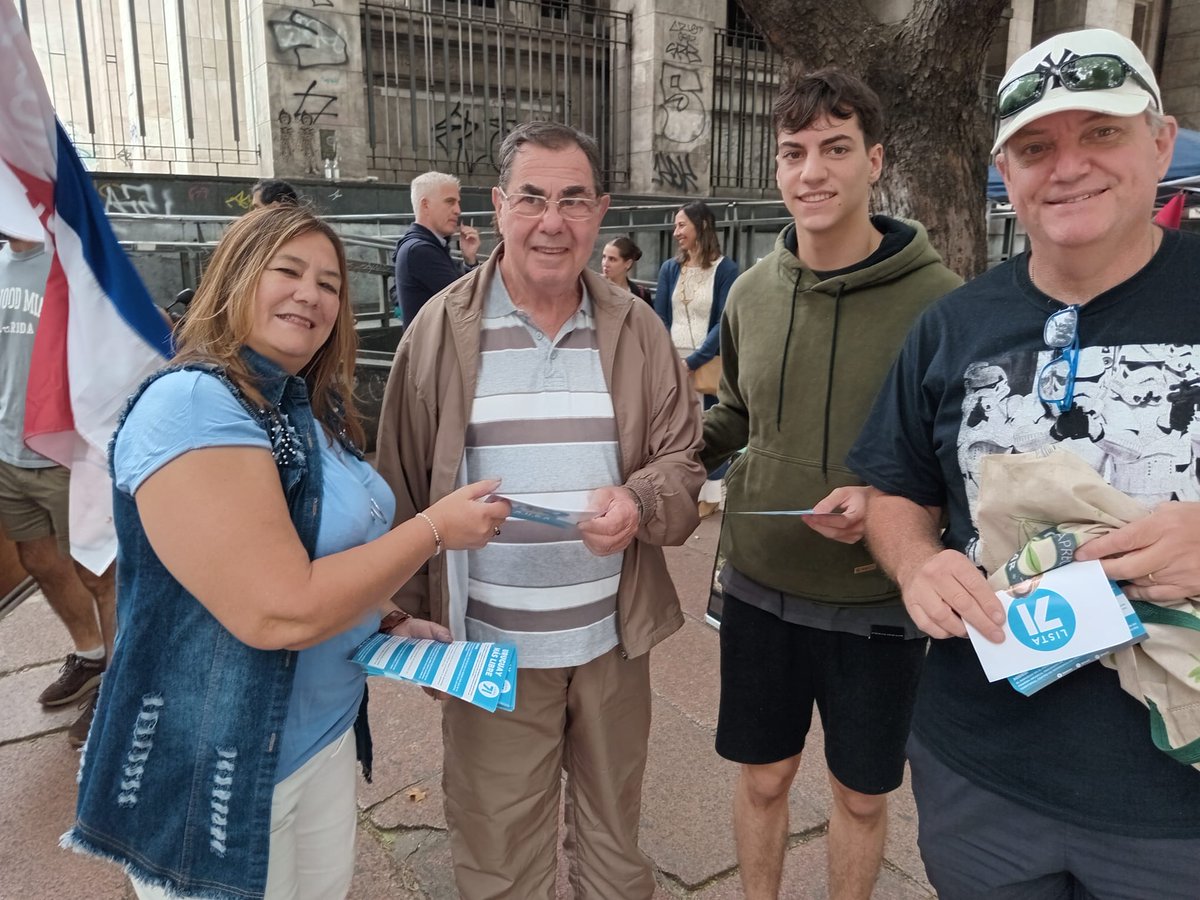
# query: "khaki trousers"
502, 773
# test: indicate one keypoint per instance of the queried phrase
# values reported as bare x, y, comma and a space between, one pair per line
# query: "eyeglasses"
534, 205
1094, 72
1056, 379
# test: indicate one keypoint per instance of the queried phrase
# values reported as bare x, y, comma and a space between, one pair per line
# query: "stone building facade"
676, 91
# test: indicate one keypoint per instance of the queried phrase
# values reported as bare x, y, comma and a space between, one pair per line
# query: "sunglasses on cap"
1094, 72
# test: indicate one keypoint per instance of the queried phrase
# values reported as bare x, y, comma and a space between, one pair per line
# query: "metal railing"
143, 82
745, 82
447, 79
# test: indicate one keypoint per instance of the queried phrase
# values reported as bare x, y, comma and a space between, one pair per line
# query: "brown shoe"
78, 732
77, 677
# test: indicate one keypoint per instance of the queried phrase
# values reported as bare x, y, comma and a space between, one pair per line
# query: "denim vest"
178, 772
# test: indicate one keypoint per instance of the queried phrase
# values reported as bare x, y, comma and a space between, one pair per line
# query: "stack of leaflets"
1056, 622
482, 674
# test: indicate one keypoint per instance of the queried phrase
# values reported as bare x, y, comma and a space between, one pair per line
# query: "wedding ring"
1153, 580
496, 531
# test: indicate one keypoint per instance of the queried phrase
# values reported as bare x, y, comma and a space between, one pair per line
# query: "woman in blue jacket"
690, 298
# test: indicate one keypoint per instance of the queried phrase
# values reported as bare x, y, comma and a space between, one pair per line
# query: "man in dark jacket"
423, 262
806, 341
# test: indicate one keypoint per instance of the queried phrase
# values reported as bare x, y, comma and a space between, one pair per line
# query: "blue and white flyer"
484, 674
546, 515
1054, 618
1029, 683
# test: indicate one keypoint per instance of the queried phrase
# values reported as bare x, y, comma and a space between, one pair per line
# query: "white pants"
313, 820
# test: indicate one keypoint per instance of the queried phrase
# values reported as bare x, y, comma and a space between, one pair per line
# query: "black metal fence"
446, 79
745, 82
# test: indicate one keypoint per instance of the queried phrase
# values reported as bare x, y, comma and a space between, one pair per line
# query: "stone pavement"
402, 850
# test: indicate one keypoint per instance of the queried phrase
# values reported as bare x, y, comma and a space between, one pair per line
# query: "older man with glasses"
1061, 794
539, 372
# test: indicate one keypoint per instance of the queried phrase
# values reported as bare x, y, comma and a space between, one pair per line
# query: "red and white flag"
100, 333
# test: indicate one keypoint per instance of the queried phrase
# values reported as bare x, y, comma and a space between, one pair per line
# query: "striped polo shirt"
542, 421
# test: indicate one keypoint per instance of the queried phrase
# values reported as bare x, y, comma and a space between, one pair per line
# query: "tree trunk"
927, 71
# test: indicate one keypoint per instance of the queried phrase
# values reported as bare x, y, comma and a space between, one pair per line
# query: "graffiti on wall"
307, 39
674, 171
682, 118
684, 114
470, 143
140, 199
314, 41
243, 200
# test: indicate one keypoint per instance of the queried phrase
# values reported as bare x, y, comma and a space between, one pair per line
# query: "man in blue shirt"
423, 262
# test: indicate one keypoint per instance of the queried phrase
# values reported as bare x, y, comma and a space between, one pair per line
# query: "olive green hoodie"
803, 359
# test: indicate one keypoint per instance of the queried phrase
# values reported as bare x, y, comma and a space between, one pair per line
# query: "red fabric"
1172, 213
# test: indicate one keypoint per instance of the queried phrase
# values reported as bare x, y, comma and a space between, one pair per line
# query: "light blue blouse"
189, 410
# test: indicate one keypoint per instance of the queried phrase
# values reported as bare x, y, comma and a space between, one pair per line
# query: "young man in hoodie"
806, 341
423, 262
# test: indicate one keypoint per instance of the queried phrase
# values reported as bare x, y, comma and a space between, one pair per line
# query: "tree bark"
927, 70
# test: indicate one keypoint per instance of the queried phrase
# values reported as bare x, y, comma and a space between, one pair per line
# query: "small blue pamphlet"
484, 674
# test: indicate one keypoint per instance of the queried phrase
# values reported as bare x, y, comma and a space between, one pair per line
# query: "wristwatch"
392, 619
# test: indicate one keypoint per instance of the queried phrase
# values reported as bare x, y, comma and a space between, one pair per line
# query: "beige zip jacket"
423, 424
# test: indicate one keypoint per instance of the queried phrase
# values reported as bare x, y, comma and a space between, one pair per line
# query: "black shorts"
864, 688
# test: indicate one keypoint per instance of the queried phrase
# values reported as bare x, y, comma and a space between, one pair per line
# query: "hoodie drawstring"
787, 343
837, 309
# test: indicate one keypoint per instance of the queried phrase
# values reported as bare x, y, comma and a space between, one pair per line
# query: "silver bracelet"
437, 538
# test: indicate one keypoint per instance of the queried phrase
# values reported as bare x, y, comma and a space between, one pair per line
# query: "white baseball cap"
1049, 95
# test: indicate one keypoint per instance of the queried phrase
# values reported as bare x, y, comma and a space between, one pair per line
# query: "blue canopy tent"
1185, 167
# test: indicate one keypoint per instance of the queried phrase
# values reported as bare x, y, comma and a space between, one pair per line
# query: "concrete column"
1020, 31
1180, 81
1114, 14
304, 76
672, 63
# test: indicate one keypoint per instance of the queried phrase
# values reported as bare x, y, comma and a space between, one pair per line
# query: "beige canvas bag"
1035, 509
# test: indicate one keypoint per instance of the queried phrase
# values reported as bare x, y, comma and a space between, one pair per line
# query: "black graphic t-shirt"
964, 387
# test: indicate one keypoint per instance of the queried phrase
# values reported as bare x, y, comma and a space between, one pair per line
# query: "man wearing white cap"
1061, 794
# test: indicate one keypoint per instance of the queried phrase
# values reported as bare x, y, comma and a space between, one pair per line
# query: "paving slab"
37, 804
406, 730
376, 874
687, 798
682, 672
419, 805
33, 636
23, 716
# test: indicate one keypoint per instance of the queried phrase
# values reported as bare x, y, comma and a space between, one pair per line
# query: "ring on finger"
496, 531
1152, 579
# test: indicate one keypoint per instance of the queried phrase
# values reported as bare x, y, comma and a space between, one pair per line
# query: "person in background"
270, 191
255, 552
620, 256
35, 495
424, 265
690, 299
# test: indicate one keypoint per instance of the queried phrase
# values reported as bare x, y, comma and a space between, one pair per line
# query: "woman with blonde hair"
255, 552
